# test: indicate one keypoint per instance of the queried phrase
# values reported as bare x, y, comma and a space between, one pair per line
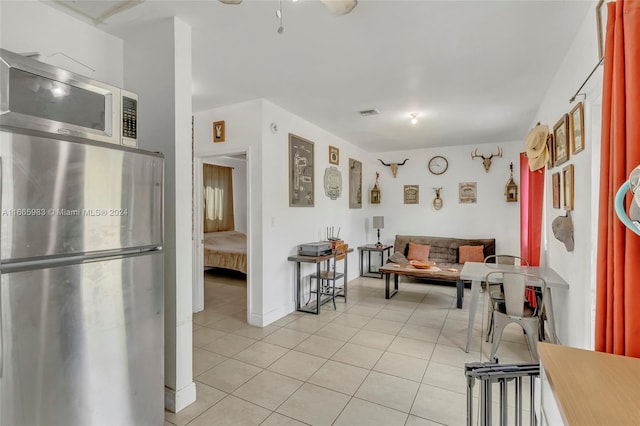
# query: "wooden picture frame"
576, 120
412, 194
467, 192
334, 155
551, 149
567, 177
355, 184
301, 172
601, 23
218, 131
555, 185
561, 140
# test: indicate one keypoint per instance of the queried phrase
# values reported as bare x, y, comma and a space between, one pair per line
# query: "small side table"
382, 249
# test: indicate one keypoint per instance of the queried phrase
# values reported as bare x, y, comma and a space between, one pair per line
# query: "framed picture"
551, 149
412, 194
555, 182
567, 177
576, 119
301, 172
218, 131
467, 192
561, 140
601, 18
355, 184
334, 155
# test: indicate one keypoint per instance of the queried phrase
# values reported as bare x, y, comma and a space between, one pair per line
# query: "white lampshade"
378, 222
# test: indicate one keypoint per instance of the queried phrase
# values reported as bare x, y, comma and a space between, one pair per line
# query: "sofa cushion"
470, 254
399, 258
418, 252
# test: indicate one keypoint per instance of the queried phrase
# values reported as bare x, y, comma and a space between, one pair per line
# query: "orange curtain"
618, 270
531, 197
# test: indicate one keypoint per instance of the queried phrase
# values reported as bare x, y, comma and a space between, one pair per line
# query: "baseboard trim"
175, 401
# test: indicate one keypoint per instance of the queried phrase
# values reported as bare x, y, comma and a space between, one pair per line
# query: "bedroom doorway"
221, 287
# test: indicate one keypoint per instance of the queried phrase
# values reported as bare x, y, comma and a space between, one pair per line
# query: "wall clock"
438, 165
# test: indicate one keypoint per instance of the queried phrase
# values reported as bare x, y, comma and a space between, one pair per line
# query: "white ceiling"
476, 71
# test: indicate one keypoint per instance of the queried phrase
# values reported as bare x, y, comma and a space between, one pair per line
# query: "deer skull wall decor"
394, 166
486, 160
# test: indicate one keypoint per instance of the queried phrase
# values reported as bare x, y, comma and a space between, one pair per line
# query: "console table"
298, 259
373, 248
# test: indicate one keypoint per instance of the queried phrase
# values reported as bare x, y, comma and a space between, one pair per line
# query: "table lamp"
378, 223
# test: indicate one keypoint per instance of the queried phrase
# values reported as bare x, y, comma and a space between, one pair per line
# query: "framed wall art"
551, 149
576, 120
301, 172
332, 182
355, 184
334, 155
467, 192
218, 131
567, 177
561, 140
412, 194
555, 185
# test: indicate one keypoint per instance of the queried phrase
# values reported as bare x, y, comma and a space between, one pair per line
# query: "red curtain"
618, 270
532, 193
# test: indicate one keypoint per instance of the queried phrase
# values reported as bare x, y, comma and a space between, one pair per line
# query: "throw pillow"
470, 254
419, 252
398, 258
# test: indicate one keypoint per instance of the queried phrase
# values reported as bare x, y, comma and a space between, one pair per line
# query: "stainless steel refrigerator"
81, 269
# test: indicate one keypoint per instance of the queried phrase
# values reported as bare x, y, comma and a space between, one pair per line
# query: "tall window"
218, 198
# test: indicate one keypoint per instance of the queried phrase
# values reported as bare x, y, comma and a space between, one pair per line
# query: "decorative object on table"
601, 18
422, 265
567, 177
551, 149
332, 182
537, 152
355, 184
334, 155
562, 227
511, 188
438, 165
218, 131
301, 172
411, 194
467, 192
632, 185
486, 160
576, 121
437, 202
375, 192
555, 182
378, 223
561, 140
394, 166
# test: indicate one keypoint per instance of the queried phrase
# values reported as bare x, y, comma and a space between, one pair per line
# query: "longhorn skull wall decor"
394, 166
486, 160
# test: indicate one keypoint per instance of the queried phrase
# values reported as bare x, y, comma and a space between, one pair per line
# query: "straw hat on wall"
537, 152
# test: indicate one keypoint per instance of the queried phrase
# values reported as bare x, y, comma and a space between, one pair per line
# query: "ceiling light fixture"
279, 16
414, 117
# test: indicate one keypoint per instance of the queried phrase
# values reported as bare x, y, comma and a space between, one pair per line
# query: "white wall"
157, 60
490, 217
573, 308
32, 26
239, 179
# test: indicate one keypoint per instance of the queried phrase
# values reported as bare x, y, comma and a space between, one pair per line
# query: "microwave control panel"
129, 119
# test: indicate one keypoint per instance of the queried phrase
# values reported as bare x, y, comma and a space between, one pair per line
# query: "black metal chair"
330, 276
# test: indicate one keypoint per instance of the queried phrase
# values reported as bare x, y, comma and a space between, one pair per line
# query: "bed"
226, 249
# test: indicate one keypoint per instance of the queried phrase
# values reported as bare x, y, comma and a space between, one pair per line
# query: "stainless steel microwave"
44, 98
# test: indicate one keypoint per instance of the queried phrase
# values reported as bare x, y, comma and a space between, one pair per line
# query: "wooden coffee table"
441, 272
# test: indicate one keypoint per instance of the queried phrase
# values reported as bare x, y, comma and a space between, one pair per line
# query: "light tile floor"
371, 362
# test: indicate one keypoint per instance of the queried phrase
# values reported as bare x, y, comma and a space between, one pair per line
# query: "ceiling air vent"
368, 112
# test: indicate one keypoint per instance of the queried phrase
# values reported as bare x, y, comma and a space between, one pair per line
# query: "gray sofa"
443, 249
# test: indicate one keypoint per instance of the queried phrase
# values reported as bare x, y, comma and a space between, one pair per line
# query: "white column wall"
158, 67
574, 314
